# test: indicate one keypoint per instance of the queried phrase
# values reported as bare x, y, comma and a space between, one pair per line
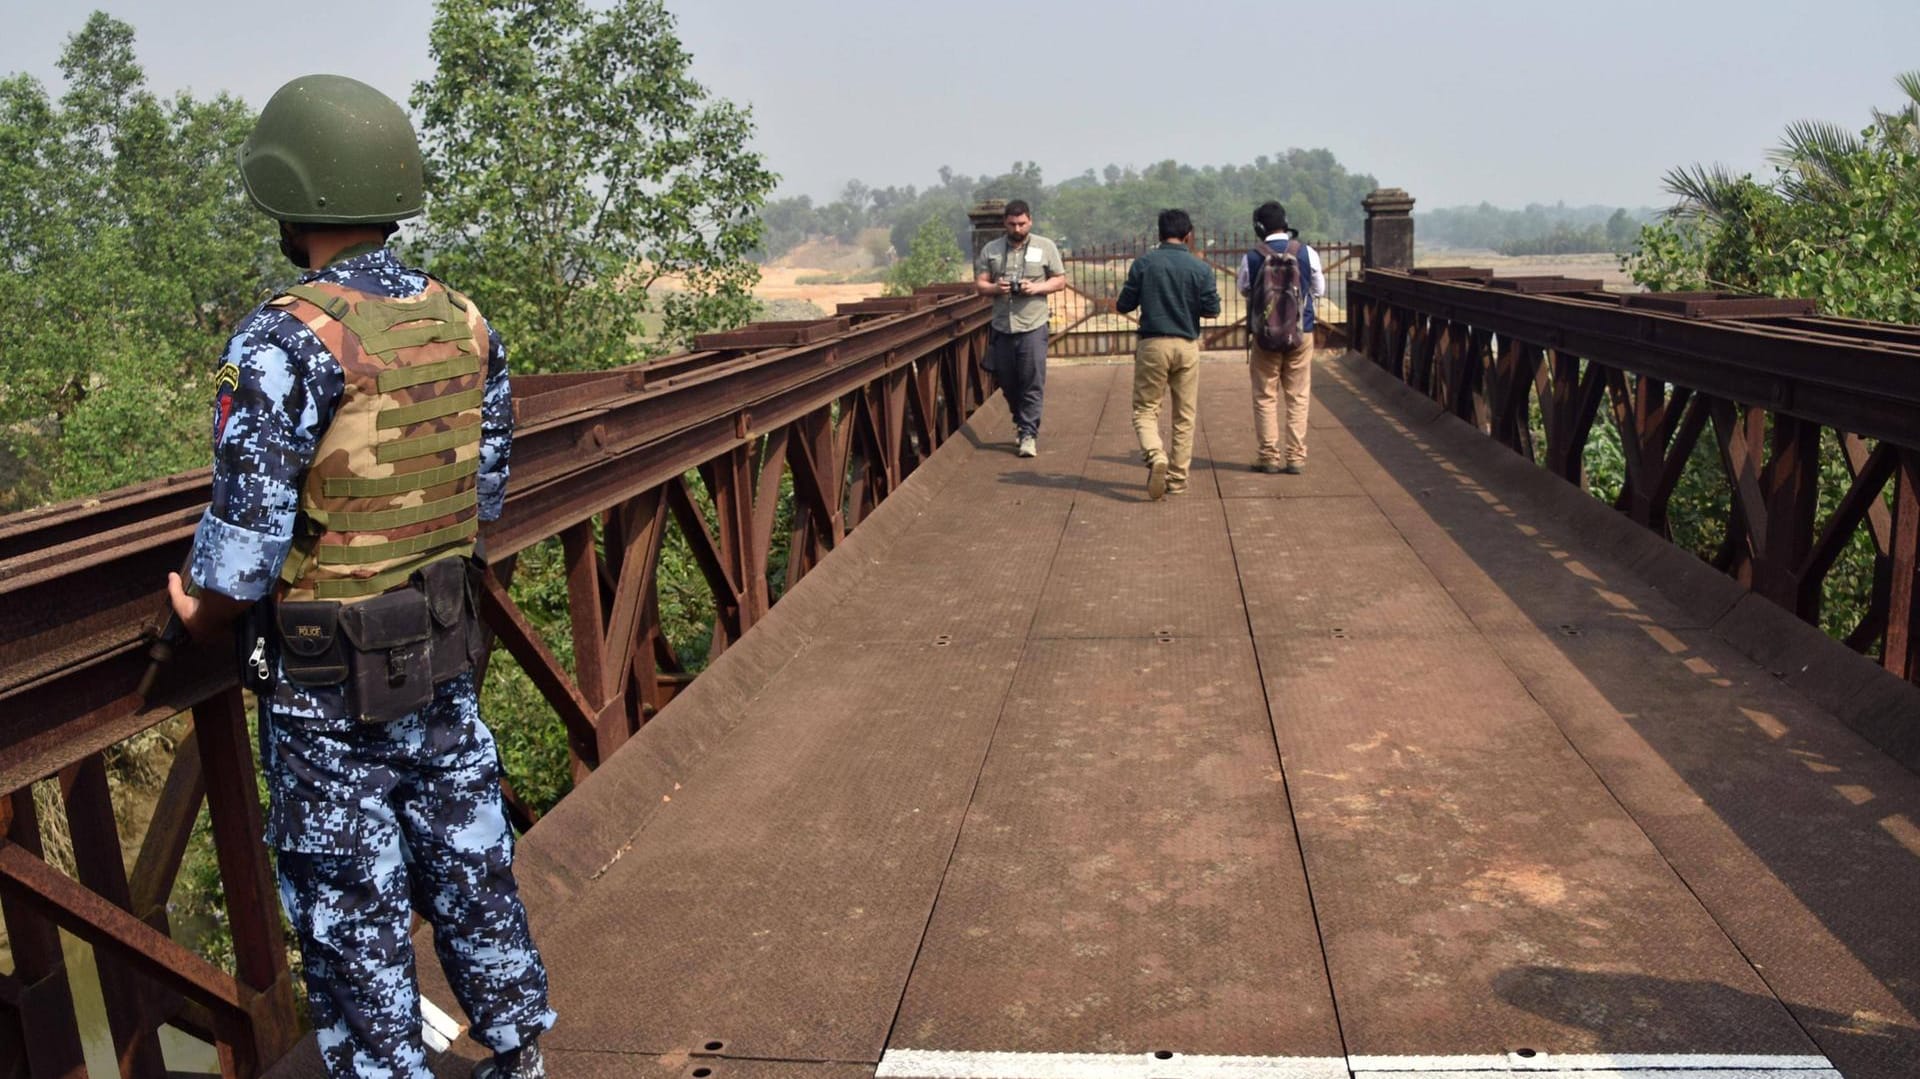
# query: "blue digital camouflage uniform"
369, 821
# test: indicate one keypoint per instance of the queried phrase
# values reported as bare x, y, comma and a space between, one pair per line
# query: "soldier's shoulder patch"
228, 381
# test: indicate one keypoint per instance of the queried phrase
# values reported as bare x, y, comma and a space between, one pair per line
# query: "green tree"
1837, 224
582, 183
935, 258
132, 251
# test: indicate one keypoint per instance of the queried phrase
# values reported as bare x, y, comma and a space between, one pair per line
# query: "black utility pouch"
390, 659
445, 584
312, 652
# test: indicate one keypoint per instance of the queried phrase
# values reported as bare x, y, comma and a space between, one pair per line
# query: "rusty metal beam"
1857, 384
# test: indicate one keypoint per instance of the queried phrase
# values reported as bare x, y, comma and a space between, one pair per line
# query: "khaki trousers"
1161, 364
1275, 374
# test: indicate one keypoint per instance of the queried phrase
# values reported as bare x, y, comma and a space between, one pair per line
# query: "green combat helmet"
332, 150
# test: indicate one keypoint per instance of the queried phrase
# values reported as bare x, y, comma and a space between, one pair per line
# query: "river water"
183, 1053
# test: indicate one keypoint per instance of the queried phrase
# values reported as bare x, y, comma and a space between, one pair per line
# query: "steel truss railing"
1766, 376
846, 406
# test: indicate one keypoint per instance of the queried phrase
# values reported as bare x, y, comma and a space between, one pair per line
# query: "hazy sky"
1457, 101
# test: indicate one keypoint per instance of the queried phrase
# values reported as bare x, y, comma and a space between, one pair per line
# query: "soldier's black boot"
521, 1063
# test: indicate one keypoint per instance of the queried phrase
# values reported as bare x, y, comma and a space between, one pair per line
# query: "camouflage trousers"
372, 824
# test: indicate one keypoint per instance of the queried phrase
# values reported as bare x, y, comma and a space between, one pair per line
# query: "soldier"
360, 432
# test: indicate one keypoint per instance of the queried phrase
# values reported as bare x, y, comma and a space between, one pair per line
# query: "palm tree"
1812, 156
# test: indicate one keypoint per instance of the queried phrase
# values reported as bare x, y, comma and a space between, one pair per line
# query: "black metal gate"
1084, 322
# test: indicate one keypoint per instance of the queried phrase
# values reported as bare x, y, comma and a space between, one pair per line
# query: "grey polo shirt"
1035, 260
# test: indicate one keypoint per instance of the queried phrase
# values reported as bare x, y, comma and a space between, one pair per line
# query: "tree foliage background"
574, 167
1114, 206
130, 250
1838, 222
934, 257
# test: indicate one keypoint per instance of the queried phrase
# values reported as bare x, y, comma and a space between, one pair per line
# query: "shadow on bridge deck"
1390, 767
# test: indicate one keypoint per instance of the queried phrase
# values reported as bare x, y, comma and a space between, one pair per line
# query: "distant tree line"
1537, 230
1114, 205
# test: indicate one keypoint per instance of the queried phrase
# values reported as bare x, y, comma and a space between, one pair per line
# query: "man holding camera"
1018, 270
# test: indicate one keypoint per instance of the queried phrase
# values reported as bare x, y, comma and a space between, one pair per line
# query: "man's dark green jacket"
1173, 290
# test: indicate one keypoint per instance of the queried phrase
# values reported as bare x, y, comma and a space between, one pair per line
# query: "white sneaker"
1028, 448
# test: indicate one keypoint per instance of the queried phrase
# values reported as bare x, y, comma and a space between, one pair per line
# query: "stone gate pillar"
1389, 230
988, 220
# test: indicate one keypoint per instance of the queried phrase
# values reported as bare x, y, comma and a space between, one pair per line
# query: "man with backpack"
1173, 291
1280, 278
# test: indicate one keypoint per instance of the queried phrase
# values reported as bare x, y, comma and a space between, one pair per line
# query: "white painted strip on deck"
1534, 1063
1617, 1073
960, 1064
939, 1064
1735, 1062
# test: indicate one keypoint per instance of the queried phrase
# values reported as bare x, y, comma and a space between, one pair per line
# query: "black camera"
1018, 286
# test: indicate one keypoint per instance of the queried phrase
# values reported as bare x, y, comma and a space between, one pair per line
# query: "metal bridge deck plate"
1143, 569
778, 906
1126, 880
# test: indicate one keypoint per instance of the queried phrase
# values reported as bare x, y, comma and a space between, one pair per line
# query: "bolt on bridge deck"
1390, 768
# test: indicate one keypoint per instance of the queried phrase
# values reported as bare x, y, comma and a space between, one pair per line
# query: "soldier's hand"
204, 614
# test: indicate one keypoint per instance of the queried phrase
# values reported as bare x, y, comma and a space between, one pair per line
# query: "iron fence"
1084, 321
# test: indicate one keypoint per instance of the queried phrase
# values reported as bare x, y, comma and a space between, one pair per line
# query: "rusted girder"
1852, 382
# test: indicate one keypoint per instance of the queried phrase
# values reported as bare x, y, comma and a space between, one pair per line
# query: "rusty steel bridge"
1424, 763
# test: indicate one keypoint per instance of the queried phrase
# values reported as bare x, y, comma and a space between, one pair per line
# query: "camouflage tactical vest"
392, 484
